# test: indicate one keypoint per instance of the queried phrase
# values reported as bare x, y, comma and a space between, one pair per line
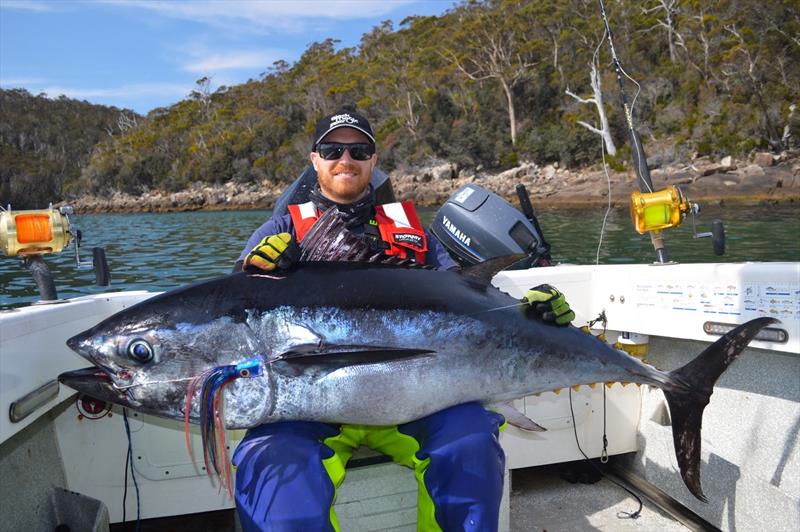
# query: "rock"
753, 170
512, 174
708, 169
658, 161
727, 161
442, 171
549, 172
763, 159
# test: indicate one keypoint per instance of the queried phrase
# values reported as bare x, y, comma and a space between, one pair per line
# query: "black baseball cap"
342, 118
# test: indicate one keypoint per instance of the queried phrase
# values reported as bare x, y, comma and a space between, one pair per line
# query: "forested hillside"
488, 84
45, 143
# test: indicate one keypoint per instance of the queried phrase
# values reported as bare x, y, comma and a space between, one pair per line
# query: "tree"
492, 46
604, 131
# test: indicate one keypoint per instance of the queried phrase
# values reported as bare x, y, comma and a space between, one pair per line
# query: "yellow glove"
273, 251
549, 305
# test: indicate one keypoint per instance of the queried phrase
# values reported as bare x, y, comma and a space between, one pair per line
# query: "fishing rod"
639, 157
653, 211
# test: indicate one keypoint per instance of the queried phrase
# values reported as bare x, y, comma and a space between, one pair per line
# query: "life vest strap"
304, 216
401, 229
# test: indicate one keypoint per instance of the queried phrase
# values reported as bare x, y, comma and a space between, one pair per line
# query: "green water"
163, 251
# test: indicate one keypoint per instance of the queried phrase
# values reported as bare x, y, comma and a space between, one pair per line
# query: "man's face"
344, 180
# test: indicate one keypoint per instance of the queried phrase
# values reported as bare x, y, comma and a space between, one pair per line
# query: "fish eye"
140, 350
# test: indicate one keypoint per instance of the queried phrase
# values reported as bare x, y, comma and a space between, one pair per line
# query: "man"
288, 472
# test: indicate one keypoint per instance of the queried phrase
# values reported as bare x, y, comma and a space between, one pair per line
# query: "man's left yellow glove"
549, 305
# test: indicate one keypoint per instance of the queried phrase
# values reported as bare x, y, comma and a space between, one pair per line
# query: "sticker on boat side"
751, 300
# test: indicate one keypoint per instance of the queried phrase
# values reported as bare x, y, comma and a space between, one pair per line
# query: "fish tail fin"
689, 398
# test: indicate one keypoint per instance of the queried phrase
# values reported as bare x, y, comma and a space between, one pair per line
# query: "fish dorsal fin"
347, 354
487, 269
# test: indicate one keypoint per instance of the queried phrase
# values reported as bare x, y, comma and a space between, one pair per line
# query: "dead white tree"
125, 122
668, 24
494, 55
604, 131
787, 131
203, 95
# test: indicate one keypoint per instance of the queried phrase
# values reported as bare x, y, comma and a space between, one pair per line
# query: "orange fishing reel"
34, 232
31, 234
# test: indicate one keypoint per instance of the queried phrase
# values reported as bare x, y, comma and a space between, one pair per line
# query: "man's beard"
353, 214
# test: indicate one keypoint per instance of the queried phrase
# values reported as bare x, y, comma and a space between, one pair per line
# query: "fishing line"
129, 459
629, 515
628, 110
603, 148
602, 141
517, 304
145, 383
639, 149
608, 205
125, 489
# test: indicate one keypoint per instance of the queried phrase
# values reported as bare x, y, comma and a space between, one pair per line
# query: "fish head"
125, 356
145, 358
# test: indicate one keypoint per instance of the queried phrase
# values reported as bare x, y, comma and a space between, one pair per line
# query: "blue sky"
143, 54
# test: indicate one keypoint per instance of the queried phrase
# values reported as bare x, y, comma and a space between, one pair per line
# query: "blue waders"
287, 473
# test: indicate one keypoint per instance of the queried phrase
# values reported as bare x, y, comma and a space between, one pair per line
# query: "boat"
81, 458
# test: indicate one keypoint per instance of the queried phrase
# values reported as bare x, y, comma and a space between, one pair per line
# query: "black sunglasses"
330, 151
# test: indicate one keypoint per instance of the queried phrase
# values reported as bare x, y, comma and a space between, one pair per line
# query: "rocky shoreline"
761, 178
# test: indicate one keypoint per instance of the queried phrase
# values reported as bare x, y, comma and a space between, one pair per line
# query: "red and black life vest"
397, 223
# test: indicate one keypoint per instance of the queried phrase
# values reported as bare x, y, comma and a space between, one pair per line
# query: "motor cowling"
476, 224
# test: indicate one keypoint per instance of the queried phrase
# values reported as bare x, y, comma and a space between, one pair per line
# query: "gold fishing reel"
34, 232
652, 212
655, 211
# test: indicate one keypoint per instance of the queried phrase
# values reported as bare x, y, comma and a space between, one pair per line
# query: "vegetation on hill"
487, 84
45, 143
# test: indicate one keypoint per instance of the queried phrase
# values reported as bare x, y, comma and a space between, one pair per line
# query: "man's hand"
549, 305
273, 251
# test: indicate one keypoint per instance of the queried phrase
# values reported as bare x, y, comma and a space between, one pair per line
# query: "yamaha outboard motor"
476, 224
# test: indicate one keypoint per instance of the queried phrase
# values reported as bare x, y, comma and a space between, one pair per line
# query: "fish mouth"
97, 383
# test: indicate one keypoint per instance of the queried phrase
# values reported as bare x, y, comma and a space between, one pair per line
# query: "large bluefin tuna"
361, 343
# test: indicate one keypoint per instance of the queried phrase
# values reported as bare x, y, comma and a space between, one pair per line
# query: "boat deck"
541, 501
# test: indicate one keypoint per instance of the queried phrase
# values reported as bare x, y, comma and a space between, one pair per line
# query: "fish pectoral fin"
347, 354
517, 418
